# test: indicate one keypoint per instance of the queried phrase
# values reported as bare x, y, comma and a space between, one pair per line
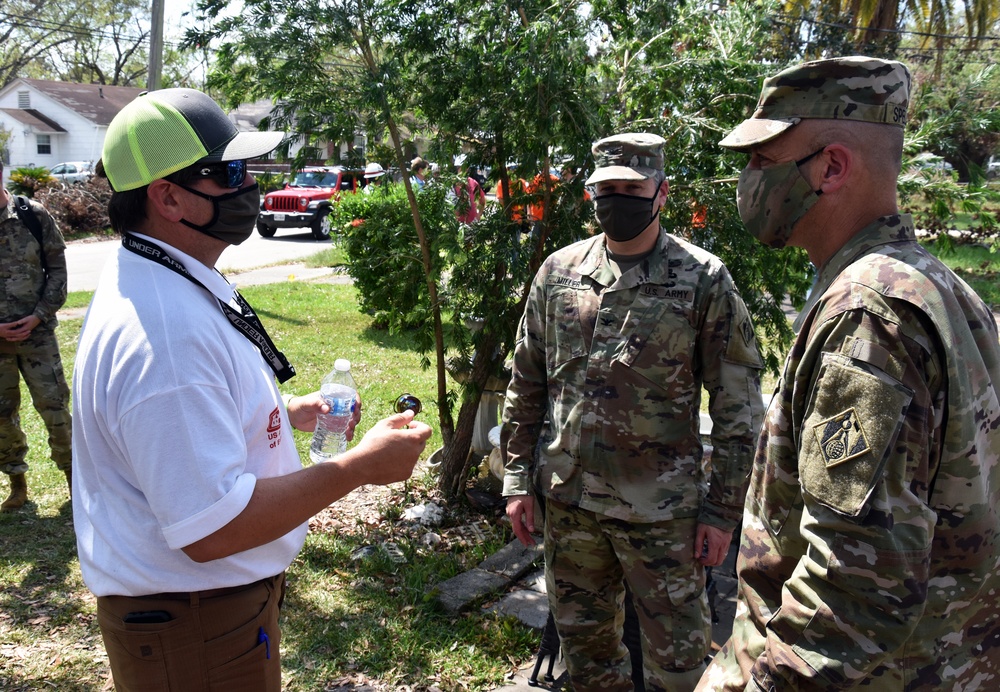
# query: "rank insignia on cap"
841, 438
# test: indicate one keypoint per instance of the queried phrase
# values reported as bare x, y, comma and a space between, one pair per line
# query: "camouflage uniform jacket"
871, 536
608, 373
24, 289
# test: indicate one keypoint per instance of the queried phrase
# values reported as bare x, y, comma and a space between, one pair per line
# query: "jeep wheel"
321, 226
265, 230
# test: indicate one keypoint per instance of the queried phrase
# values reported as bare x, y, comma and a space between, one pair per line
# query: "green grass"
333, 256
369, 621
78, 299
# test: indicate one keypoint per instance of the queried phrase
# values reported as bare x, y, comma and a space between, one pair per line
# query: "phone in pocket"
147, 617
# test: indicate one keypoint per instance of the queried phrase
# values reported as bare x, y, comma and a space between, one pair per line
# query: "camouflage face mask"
772, 200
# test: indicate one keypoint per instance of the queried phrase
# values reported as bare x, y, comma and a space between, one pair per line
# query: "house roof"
29, 116
98, 103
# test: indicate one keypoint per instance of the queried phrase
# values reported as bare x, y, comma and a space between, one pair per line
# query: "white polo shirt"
175, 417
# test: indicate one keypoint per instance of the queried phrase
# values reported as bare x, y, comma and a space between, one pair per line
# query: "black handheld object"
407, 402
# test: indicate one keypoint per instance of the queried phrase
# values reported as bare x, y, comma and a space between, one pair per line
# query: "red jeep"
306, 201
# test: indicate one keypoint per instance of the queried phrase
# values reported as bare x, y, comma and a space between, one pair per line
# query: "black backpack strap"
30, 220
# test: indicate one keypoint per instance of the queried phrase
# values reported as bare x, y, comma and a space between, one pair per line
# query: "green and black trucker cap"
163, 131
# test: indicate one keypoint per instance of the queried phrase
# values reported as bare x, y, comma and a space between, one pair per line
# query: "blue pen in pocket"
263, 639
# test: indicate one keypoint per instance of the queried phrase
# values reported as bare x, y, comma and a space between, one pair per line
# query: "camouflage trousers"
37, 360
587, 557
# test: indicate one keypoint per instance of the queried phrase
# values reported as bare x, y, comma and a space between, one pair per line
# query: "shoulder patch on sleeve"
854, 416
741, 347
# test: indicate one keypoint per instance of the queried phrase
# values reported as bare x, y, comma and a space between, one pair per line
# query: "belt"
208, 593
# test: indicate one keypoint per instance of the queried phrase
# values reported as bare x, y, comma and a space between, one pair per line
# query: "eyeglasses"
229, 174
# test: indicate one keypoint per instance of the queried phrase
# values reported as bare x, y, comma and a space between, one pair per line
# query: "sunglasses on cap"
229, 174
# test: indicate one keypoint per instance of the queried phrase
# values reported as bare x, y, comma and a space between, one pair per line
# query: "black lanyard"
246, 321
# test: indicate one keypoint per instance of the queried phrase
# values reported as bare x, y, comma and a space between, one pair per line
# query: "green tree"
958, 119
29, 31
691, 76
110, 46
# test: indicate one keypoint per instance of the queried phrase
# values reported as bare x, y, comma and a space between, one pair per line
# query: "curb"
495, 573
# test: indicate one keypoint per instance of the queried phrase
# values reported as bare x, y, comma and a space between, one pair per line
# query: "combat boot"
18, 493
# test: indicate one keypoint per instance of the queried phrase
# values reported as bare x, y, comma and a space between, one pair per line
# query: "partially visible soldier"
32, 289
871, 536
620, 334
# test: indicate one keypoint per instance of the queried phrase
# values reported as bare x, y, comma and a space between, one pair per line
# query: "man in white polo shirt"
190, 500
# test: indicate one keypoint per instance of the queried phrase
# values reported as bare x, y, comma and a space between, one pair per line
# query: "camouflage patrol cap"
854, 88
628, 156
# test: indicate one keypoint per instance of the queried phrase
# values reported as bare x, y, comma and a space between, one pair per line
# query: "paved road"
86, 259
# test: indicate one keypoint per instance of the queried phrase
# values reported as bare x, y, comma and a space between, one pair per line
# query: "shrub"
28, 180
269, 182
78, 209
384, 254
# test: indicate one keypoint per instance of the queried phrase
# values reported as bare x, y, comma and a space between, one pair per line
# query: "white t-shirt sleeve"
188, 458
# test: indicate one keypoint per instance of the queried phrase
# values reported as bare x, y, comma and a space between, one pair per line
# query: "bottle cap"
342, 364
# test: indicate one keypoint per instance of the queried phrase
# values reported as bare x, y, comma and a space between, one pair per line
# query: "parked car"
73, 171
993, 167
307, 200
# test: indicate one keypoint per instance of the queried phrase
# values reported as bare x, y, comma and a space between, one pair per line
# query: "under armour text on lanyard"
245, 321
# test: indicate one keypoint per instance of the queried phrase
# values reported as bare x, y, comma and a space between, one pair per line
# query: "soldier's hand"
521, 511
711, 545
19, 330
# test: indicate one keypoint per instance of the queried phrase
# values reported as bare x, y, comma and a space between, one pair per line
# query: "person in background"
374, 175
518, 188
190, 500
871, 533
538, 189
33, 262
621, 333
470, 200
420, 171
478, 176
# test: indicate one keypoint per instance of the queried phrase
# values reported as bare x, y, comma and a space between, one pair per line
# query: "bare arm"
387, 454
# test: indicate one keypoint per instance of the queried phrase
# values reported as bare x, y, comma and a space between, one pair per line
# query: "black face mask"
234, 214
623, 217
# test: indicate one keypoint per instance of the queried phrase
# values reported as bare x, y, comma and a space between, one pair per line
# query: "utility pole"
155, 46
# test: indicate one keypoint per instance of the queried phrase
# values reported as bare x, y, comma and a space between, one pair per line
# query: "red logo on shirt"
274, 428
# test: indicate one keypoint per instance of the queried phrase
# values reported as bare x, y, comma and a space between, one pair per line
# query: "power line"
848, 27
73, 30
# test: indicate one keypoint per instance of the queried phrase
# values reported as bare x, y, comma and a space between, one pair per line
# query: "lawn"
368, 620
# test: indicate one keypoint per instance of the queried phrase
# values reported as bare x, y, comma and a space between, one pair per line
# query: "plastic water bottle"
339, 391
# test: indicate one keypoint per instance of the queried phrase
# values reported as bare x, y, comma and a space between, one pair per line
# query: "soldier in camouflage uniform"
620, 334
871, 534
29, 299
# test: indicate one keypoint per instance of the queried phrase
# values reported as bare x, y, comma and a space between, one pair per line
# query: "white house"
50, 122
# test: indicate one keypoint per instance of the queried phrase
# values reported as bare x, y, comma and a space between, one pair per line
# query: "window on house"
23, 99
44, 144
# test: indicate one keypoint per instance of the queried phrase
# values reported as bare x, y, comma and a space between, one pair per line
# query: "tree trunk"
456, 458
